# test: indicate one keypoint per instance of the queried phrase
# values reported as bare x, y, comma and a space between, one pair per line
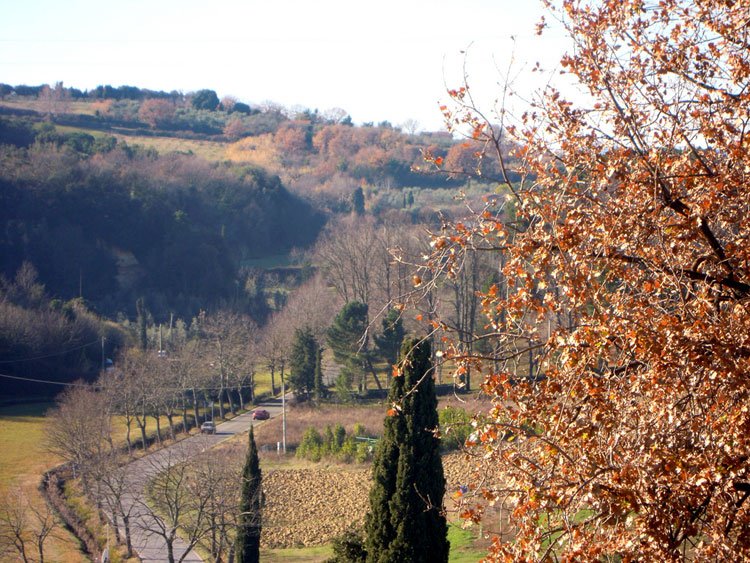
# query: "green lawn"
463, 549
311, 554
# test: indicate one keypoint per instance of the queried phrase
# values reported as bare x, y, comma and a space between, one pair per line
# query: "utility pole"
283, 414
103, 353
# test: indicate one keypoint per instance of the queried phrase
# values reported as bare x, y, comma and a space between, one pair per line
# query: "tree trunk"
158, 428
128, 539
142, 426
195, 409
371, 368
170, 419
185, 426
252, 387
128, 423
273, 380
116, 526
221, 398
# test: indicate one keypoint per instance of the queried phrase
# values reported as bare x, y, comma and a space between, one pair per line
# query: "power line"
100, 386
50, 355
33, 380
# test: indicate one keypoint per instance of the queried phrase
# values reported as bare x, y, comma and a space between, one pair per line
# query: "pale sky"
387, 60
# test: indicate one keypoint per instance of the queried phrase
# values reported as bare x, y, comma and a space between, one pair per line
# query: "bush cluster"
335, 443
455, 427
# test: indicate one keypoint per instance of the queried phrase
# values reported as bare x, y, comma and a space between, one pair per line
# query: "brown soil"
310, 506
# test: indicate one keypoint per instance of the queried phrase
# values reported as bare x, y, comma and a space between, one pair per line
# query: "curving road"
149, 546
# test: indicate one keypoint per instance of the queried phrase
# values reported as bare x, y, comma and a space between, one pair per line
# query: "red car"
261, 414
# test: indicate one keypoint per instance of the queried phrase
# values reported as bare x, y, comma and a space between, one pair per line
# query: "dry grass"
301, 417
260, 151
209, 150
88, 108
23, 460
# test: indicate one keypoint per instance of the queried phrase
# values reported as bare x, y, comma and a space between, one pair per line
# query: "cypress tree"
249, 527
345, 339
358, 201
406, 521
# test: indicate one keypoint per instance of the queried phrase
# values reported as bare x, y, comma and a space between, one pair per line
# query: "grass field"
209, 150
23, 460
307, 554
463, 548
87, 108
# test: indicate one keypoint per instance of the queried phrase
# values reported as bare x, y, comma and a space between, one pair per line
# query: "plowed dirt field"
306, 507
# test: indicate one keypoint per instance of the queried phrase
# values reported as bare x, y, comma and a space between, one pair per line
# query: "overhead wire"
97, 341
100, 386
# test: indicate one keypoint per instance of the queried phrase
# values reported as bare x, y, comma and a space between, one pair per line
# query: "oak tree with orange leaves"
624, 274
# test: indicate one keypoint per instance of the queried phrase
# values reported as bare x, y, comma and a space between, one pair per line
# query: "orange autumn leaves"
623, 282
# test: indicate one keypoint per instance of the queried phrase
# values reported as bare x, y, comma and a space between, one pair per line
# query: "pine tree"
347, 339
405, 521
389, 340
249, 528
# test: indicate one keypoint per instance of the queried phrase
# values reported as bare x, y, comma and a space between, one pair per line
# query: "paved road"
149, 546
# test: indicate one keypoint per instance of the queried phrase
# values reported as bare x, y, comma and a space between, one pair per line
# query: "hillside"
111, 222
321, 156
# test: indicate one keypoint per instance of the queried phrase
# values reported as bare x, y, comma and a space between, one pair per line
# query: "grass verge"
23, 460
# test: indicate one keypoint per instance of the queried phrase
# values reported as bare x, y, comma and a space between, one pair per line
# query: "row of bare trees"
198, 498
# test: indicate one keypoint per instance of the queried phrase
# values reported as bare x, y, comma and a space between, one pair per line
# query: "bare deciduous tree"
226, 350
181, 502
78, 429
24, 527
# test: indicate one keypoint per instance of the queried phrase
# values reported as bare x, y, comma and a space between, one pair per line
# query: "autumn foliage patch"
625, 276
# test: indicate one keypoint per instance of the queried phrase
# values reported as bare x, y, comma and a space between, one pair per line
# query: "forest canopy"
110, 223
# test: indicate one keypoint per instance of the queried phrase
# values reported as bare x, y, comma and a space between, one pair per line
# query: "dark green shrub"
310, 446
349, 547
334, 443
455, 427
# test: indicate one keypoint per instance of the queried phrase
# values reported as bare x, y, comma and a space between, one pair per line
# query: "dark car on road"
261, 414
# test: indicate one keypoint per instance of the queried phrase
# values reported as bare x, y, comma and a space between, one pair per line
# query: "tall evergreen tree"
406, 521
249, 527
302, 363
358, 201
